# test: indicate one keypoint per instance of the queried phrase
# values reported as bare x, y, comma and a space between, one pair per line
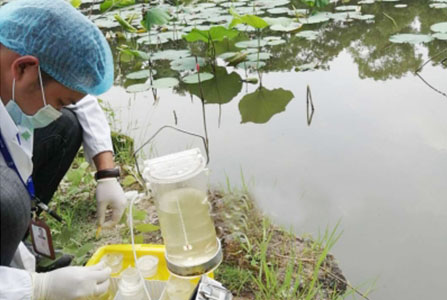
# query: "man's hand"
109, 193
71, 283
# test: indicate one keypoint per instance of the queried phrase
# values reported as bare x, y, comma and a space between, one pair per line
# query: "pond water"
372, 155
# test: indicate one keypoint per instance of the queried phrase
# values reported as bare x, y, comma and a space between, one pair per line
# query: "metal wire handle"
179, 130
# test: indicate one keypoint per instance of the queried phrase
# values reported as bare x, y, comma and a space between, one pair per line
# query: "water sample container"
148, 265
114, 261
179, 185
130, 285
177, 289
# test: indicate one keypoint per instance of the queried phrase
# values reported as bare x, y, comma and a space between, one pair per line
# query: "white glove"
71, 283
110, 193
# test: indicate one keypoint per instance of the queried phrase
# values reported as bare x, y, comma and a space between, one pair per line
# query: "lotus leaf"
410, 38
315, 19
348, 8
215, 33
164, 83
187, 63
440, 36
438, 5
136, 88
251, 20
362, 17
290, 28
278, 10
194, 78
260, 56
170, 54
439, 27
308, 34
251, 44
250, 65
275, 43
260, 106
140, 74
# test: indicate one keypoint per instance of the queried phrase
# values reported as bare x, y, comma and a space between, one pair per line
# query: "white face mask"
42, 118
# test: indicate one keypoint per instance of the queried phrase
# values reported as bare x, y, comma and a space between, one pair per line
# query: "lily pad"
251, 44
439, 27
262, 56
400, 6
440, 36
170, 54
289, 28
140, 74
194, 78
165, 83
260, 106
366, 2
136, 88
278, 10
363, 17
315, 19
250, 65
309, 35
276, 42
345, 16
410, 38
348, 8
438, 5
187, 63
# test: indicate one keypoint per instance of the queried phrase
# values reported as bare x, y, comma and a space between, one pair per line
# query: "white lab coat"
16, 283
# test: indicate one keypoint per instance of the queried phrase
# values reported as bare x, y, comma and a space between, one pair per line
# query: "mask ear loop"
41, 86
13, 89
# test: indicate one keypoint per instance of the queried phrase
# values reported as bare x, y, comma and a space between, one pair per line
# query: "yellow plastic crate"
141, 249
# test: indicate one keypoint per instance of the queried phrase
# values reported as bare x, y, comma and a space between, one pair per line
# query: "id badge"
41, 238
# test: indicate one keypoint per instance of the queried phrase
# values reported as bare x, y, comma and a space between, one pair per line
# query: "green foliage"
316, 3
133, 53
215, 34
250, 20
109, 4
76, 3
126, 25
155, 16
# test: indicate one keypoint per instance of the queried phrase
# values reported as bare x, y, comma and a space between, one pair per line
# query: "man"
51, 56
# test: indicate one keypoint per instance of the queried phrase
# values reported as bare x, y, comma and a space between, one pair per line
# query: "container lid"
174, 167
148, 265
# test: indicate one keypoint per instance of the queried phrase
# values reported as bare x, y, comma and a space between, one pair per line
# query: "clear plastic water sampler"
179, 185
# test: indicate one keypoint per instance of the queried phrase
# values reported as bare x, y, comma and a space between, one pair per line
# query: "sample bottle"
177, 289
130, 285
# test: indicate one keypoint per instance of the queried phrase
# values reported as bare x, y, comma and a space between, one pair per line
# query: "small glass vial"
130, 286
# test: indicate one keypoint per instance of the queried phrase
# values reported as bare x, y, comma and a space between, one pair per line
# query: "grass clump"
271, 262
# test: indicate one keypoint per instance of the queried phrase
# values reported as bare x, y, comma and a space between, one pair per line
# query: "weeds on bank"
263, 261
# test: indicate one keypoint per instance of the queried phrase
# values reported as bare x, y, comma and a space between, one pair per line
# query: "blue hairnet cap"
70, 48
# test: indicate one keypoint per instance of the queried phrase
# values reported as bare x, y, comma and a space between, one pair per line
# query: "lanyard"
10, 163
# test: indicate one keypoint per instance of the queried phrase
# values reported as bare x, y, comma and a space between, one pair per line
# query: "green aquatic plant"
210, 37
255, 22
110, 4
315, 5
